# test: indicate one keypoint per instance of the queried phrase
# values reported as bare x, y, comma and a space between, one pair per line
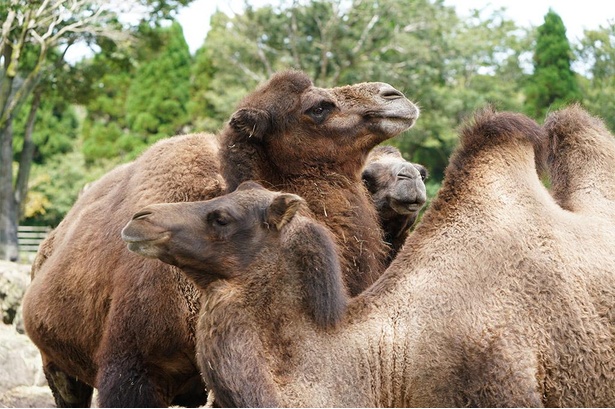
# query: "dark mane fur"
242, 150
311, 250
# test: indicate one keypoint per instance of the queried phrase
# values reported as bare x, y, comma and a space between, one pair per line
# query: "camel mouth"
145, 245
392, 122
135, 238
410, 117
405, 208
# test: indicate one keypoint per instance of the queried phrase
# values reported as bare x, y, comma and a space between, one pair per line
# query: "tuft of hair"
567, 122
282, 84
384, 150
311, 250
489, 128
572, 120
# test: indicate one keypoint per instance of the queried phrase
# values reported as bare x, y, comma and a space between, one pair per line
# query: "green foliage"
450, 67
598, 49
105, 122
55, 186
137, 96
553, 83
159, 92
55, 132
200, 109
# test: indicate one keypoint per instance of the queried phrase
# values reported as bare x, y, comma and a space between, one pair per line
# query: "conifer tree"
156, 103
553, 82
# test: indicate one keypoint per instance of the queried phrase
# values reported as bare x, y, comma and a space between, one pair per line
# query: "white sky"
577, 15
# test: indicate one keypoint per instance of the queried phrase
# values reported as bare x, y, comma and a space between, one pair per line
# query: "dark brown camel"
502, 296
398, 190
103, 317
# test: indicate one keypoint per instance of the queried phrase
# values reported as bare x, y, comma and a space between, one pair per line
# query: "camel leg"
67, 391
580, 156
124, 381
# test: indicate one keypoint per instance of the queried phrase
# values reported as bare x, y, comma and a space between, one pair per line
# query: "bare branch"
7, 26
359, 46
247, 71
264, 60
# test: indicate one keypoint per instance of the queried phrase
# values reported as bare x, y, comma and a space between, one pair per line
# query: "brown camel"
398, 190
502, 296
103, 317
322, 158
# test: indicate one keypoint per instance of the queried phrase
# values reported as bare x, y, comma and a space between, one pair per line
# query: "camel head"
213, 238
296, 126
396, 185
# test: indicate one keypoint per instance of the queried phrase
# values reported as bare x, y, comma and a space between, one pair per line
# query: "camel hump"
490, 128
580, 158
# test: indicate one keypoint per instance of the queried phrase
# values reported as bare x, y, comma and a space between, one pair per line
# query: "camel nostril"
142, 214
391, 93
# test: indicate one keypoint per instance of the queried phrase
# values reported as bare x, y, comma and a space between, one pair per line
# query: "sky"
576, 15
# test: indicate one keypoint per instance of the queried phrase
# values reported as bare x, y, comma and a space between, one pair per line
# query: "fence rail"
30, 237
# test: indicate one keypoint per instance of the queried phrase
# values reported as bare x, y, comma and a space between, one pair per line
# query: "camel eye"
320, 112
369, 179
219, 219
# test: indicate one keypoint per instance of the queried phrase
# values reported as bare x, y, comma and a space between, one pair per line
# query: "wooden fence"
30, 237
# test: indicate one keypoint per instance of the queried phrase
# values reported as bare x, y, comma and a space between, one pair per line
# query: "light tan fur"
500, 297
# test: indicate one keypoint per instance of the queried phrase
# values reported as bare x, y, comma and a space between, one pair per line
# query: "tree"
34, 27
597, 49
420, 47
38, 28
553, 82
156, 103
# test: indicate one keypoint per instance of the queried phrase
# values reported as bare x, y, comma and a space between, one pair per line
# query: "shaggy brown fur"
226, 237
500, 296
398, 191
95, 310
321, 160
103, 317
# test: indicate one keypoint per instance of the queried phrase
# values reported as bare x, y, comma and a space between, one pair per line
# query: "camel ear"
251, 122
282, 209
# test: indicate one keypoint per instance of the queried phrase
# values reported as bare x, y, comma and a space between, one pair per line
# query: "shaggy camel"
500, 297
322, 159
398, 190
103, 317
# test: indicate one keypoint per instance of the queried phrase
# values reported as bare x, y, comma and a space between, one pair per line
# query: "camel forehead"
250, 197
394, 166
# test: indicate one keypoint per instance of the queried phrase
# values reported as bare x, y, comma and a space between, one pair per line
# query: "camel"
322, 159
398, 190
503, 295
104, 317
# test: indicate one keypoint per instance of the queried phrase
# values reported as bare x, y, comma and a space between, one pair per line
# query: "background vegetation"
77, 121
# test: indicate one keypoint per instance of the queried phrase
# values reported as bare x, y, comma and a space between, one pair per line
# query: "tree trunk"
8, 208
27, 152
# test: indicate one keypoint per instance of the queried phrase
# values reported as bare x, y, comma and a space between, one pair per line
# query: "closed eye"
219, 218
221, 221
